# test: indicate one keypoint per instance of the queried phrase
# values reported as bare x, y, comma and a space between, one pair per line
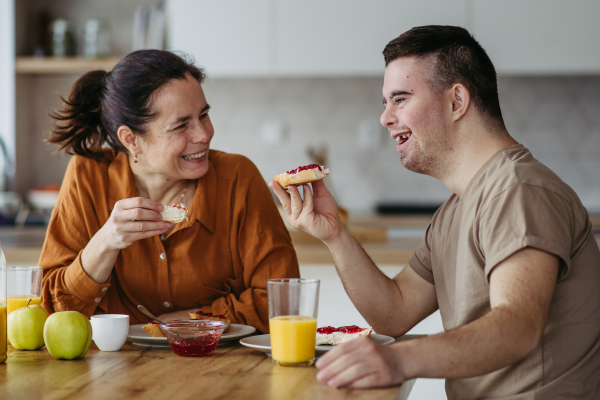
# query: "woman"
140, 135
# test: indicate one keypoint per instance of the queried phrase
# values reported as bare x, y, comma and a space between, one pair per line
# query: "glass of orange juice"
293, 305
24, 284
3, 315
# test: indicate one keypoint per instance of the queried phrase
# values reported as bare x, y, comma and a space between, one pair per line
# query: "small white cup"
110, 331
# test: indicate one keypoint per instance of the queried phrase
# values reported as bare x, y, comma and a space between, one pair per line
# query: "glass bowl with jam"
193, 338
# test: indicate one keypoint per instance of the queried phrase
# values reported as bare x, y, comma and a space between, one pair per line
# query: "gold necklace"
185, 190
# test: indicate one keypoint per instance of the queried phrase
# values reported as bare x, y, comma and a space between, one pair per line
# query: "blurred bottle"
96, 39
41, 40
63, 39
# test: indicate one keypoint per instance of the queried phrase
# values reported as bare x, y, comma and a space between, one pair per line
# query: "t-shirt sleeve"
526, 216
420, 260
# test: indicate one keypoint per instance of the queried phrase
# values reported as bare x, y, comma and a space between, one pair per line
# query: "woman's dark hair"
457, 58
100, 102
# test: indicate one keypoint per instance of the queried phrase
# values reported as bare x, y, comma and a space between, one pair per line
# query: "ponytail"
100, 102
79, 128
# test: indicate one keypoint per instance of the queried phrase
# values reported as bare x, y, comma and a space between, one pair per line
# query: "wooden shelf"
67, 65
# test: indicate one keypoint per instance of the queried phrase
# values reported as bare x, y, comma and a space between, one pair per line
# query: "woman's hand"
317, 215
134, 219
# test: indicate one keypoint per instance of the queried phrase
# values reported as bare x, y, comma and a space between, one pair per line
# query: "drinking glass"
293, 305
3, 315
24, 284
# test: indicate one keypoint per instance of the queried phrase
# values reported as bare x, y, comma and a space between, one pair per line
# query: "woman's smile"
196, 157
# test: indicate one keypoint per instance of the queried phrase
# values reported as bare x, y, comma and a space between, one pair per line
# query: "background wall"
558, 118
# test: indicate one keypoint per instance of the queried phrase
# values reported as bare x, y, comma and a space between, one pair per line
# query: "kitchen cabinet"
539, 36
340, 37
228, 38
298, 37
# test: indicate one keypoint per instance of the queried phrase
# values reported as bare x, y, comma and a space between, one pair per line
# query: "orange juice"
3, 335
20, 300
293, 339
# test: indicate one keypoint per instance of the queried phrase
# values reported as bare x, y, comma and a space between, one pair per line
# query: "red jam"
180, 206
306, 167
210, 315
195, 347
328, 330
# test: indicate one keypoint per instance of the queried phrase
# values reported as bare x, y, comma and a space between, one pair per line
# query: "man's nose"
387, 118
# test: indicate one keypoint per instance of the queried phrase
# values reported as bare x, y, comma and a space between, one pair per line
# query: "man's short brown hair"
457, 58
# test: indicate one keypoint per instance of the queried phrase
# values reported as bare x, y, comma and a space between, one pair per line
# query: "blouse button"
104, 289
97, 299
162, 256
166, 303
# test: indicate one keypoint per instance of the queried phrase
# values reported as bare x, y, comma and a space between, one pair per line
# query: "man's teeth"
192, 156
403, 138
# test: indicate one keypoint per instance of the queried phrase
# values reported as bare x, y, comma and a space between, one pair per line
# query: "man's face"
415, 115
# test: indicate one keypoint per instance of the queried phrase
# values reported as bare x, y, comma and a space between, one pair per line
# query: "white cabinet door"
227, 37
346, 37
540, 36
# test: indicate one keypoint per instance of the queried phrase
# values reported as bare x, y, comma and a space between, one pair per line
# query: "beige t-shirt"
514, 202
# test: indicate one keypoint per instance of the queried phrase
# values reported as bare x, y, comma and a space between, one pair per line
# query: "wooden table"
232, 372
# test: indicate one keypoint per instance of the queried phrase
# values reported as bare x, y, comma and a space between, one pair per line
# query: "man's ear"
128, 139
461, 99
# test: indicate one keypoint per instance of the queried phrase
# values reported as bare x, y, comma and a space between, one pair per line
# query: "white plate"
263, 343
139, 336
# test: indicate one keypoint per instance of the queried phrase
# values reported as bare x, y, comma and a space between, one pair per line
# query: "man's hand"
317, 215
361, 363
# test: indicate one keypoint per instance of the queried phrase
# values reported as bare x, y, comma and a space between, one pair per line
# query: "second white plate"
263, 343
137, 335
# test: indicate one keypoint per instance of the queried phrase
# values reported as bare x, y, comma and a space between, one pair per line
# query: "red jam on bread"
304, 168
343, 334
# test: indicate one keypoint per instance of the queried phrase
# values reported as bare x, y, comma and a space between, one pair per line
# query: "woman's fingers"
308, 206
144, 226
139, 202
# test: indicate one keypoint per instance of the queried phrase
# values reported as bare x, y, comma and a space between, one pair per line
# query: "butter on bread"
174, 213
209, 316
301, 175
154, 330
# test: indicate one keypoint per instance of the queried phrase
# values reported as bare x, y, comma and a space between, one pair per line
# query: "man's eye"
398, 100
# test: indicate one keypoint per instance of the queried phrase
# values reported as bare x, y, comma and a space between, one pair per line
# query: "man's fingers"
308, 206
296, 203
282, 195
319, 188
337, 352
352, 373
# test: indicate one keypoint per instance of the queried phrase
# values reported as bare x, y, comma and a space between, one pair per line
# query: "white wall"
7, 80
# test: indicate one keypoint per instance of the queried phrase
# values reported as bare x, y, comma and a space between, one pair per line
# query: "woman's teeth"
403, 137
192, 156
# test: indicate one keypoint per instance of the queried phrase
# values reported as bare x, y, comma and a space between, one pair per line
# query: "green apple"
26, 327
68, 335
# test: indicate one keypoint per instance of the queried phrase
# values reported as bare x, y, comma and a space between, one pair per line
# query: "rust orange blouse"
219, 260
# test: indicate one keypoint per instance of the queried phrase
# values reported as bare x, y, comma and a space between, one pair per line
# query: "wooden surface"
232, 372
67, 65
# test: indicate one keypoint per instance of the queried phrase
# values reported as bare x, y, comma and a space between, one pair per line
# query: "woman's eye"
180, 127
204, 116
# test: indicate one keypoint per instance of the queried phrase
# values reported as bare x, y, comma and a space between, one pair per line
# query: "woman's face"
176, 143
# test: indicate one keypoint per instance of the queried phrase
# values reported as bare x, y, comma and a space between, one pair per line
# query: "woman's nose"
203, 132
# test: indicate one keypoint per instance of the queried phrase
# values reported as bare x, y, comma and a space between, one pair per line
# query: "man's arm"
521, 290
390, 306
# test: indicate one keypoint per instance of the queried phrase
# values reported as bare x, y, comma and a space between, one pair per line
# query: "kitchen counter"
387, 239
232, 372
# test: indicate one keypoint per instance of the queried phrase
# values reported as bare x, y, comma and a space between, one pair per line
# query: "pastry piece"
153, 329
334, 336
301, 175
174, 213
209, 316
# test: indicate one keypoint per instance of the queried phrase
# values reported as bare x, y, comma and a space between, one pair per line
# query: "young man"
510, 259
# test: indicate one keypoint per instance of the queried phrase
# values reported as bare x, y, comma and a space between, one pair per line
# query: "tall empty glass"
24, 284
293, 305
